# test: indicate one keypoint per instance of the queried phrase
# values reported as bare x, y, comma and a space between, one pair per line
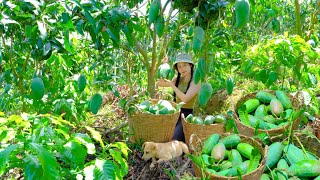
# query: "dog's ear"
154, 146
143, 145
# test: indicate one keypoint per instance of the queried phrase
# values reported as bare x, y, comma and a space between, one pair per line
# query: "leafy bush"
46, 147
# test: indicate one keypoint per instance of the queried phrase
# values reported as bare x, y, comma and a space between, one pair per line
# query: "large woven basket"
249, 131
200, 130
151, 127
252, 175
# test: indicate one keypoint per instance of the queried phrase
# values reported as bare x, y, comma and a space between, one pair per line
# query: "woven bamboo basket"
249, 131
252, 175
151, 127
309, 142
200, 130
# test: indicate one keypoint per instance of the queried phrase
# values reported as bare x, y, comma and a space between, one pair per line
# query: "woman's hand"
164, 83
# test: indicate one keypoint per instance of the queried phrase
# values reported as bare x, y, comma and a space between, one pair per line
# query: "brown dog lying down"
163, 151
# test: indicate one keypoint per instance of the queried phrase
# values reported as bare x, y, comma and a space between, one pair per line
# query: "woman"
185, 90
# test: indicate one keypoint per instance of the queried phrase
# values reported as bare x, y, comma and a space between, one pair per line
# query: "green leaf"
4, 157
197, 160
77, 3
95, 135
254, 161
76, 153
104, 170
91, 21
264, 137
117, 157
272, 77
129, 36
296, 114
313, 79
114, 35
243, 115
230, 85
86, 140
79, 26
122, 147
205, 94
48, 162
105, 36
231, 125
66, 40
32, 169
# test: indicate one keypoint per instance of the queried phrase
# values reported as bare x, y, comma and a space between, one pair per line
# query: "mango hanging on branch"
82, 82
242, 8
154, 10
198, 39
164, 71
230, 85
95, 103
37, 88
159, 26
205, 94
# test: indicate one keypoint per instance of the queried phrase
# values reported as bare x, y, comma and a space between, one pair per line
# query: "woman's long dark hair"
178, 80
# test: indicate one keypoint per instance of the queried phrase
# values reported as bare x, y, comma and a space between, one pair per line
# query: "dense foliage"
57, 58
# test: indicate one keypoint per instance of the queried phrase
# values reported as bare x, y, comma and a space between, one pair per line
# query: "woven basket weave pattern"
151, 127
249, 131
312, 144
201, 131
254, 175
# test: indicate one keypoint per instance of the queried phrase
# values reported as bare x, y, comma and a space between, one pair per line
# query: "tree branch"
115, 129
142, 52
154, 48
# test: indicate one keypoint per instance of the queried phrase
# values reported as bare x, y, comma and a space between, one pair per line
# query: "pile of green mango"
287, 161
228, 156
161, 107
267, 111
209, 119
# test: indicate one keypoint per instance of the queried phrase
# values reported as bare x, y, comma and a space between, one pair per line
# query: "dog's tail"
184, 148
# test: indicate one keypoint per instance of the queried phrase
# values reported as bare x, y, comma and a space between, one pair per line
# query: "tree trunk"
298, 20
151, 84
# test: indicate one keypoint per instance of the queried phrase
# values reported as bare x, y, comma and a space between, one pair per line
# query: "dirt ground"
178, 168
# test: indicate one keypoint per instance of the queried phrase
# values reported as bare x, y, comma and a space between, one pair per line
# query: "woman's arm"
165, 82
192, 91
